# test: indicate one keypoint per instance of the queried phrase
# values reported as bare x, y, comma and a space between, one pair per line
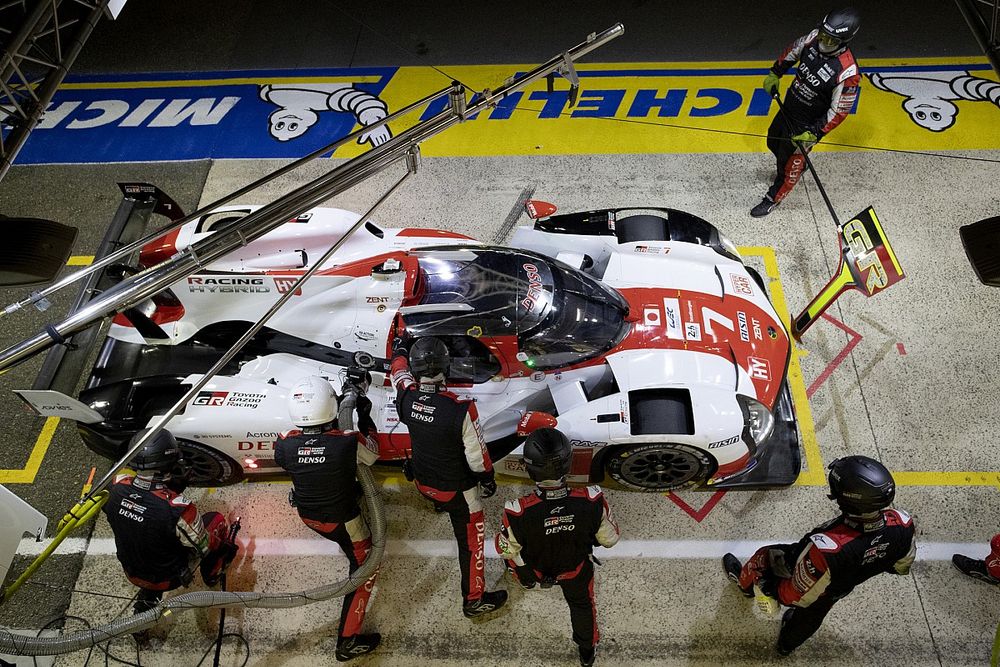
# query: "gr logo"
212, 398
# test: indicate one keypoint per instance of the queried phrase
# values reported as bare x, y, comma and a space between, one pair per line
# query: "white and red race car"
639, 332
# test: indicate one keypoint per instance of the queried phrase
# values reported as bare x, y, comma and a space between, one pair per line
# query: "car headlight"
757, 417
729, 246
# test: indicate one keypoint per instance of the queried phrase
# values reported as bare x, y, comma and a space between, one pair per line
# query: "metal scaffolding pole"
35, 62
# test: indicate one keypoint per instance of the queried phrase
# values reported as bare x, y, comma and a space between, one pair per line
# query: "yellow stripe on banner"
814, 474
229, 81
27, 474
80, 260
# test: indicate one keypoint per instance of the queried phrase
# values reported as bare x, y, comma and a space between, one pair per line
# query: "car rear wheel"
659, 466
207, 466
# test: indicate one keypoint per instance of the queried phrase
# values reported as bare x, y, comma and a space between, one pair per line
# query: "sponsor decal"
741, 284
724, 443
381, 308
229, 399
534, 286
741, 317
364, 335
652, 249
215, 436
312, 451
756, 329
516, 466
134, 507
423, 407
772, 333
376, 299
692, 331
672, 318
255, 445
251, 434
227, 285
557, 509
587, 443
759, 368
651, 317
285, 284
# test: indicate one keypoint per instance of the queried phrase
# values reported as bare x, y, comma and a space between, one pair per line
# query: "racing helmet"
429, 357
159, 455
312, 402
547, 454
838, 28
860, 485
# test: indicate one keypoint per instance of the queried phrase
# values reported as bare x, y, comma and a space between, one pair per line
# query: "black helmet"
547, 454
838, 28
160, 454
428, 357
861, 485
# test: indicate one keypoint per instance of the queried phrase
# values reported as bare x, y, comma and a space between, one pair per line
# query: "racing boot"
349, 648
973, 568
587, 655
489, 603
732, 565
785, 618
765, 207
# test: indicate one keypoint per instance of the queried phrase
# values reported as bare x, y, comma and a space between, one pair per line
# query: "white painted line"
637, 549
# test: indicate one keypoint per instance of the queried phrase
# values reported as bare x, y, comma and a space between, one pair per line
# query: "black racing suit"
160, 536
547, 537
822, 94
324, 470
449, 461
826, 565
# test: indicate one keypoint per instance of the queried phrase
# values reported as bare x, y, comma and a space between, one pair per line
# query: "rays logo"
210, 398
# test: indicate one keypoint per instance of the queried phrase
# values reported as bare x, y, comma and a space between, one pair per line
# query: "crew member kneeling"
548, 536
824, 566
159, 534
323, 462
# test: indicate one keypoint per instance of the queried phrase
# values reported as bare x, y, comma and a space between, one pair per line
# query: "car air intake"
661, 411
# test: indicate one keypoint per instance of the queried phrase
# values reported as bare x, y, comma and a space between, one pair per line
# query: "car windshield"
586, 319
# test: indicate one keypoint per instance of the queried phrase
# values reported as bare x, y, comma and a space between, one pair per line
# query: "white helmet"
312, 402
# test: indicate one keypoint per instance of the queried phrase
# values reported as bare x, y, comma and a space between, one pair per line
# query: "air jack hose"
14, 644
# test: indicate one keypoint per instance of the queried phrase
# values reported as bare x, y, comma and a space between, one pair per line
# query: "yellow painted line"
80, 260
229, 81
813, 475
27, 474
914, 478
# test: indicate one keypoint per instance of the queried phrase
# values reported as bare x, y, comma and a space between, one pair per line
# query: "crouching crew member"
824, 566
323, 462
547, 537
450, 462
159, 534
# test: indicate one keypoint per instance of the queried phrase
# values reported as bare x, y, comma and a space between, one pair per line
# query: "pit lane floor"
914, 389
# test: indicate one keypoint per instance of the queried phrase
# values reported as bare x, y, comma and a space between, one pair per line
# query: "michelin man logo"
929, 95
299, 106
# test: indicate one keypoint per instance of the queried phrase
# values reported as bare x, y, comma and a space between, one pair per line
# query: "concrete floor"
930, 414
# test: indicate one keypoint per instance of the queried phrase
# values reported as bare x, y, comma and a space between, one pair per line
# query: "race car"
639, 333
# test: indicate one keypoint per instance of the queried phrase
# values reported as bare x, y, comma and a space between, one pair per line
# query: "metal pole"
125, 251
250, 333
150, 281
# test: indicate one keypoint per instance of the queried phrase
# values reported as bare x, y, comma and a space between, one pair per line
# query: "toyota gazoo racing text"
640, 334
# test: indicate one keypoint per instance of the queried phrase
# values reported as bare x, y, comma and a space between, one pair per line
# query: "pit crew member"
547, 537
159, 534
986, 570
867, 539
449, 462
821, 96
323, 462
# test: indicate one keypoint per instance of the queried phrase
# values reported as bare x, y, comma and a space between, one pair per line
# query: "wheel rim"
202, 466
659, 468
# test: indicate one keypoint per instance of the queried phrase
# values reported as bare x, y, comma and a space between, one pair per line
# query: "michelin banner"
920, 104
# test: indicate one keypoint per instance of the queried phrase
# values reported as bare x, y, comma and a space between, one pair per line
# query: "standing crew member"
824, 566
323, 462
823, 92
159, 534
450, 462
547, 537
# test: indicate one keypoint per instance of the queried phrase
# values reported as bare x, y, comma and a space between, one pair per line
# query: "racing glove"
771, 83
488, 488
402, 343
365, 422
806, 139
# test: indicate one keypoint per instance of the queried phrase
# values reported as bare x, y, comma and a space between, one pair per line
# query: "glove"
771, 83
365, 422
402, 343
806, 139
488, 488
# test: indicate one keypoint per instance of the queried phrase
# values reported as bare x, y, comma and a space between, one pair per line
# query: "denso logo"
534, 286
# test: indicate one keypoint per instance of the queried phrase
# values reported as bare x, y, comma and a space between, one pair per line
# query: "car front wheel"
207, 466
659, 466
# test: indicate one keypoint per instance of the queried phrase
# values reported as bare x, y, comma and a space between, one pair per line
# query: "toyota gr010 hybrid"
640, 334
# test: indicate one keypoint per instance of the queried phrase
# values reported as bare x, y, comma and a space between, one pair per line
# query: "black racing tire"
657, 467
207, 466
